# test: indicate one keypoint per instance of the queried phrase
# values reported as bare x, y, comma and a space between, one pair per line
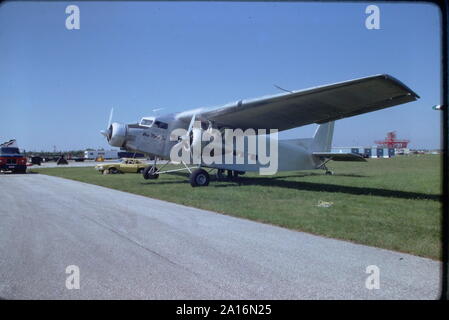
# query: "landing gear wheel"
148, 173
199, 178
329, 173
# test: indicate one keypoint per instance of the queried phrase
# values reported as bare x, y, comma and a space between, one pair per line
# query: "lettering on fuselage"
151, 135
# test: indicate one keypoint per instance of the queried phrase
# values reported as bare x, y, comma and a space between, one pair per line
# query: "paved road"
128, 246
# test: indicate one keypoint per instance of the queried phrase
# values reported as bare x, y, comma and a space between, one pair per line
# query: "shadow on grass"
315, 174
312, 186
279, 181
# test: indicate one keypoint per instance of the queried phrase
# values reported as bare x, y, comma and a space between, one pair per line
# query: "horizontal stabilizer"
339, 156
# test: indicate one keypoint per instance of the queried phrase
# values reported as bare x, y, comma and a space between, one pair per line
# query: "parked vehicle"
36, 160
127, 165
12, 160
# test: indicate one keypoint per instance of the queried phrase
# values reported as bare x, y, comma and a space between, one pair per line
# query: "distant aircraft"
322, 105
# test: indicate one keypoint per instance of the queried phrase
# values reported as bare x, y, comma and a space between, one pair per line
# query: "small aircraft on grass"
209, 136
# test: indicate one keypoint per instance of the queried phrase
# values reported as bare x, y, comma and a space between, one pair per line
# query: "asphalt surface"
71, 163
132, 247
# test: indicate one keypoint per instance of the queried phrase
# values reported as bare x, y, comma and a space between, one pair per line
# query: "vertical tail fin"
322, 140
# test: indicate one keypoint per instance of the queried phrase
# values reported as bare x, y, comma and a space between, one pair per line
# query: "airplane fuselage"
154, 136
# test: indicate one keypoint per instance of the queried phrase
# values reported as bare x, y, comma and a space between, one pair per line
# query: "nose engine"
116, 134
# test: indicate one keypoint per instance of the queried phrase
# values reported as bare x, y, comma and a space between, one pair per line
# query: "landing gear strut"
150, 173
198, 177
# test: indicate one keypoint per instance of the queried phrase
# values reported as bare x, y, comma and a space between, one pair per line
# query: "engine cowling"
116, 134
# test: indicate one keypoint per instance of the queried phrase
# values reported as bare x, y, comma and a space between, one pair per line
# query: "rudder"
322, 140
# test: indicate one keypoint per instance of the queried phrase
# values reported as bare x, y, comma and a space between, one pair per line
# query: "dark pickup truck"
12, 160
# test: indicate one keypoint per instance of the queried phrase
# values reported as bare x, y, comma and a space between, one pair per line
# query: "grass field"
389, 203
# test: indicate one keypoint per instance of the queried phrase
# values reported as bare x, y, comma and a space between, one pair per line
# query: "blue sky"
58, 85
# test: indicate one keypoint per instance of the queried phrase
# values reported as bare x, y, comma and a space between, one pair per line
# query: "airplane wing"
339, 156
316, 105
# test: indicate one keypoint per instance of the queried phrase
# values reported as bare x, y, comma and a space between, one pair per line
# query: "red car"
12, 160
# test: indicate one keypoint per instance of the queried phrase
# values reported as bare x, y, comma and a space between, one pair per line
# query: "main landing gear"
150, 172
198, 176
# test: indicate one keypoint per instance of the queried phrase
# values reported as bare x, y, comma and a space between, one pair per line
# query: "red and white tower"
392, 142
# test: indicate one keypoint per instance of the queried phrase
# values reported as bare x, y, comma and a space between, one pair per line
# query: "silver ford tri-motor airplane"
321, 105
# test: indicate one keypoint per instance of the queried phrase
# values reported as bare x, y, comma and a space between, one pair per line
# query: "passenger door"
127, 166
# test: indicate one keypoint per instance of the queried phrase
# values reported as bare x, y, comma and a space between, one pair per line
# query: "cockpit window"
161, 124
146, 122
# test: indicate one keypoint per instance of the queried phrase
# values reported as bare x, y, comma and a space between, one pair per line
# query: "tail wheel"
148, 173
199, 178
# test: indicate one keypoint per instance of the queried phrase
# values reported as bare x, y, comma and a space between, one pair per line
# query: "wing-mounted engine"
214, 137
194, 137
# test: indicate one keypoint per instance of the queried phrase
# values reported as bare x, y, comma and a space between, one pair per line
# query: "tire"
148, 173
113, 171
199, 178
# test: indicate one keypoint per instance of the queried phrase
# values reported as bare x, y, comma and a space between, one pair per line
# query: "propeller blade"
191, 125
110, 117
186, 138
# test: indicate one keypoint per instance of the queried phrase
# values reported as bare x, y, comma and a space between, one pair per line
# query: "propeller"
187, 138
106, 132
110, 117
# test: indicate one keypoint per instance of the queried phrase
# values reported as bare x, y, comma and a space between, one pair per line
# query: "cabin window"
146, 122
161, 124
